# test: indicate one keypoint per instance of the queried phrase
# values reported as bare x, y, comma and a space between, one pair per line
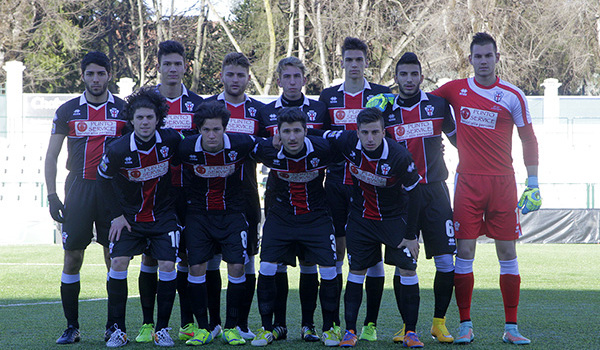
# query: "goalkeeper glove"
57, 209
380, 101
531, 199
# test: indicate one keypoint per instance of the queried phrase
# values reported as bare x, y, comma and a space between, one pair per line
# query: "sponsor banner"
241, 126
298, 177
368, 177
413, 130
345, 116
478, 118
178, 121
94, 128
212, 171
148, 173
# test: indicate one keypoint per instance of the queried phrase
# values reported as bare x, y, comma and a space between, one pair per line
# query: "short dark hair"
483, 38
290, 62
147, 97
369, 115
96, 57
291, 115
170, 46
351, 43
211, 110
236, 59
408, 58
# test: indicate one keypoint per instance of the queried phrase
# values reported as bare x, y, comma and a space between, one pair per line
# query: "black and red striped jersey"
342, 109
418, 125
181, 112
244, 120
213, 181
380, 177
316, 114
141, 178
297, 181
89, 130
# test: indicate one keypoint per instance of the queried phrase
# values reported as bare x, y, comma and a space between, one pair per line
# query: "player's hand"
380, 101
57, 209
116, 226
277, 142
531, 200
412, 245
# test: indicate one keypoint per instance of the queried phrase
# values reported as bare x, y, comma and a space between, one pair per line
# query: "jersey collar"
279, 103
83, 100
424, 97
366, 86
221, 97
384, 153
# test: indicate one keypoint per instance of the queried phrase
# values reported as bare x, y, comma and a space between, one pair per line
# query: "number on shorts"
333, 245
407, 252
174, 238
449, 228
244, 236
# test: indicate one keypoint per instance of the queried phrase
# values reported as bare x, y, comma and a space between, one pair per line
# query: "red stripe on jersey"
352, 103
369, 192
215, 197
94, 147
146, 213
238, 123
298, 190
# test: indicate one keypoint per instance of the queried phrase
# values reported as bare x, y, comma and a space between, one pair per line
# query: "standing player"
486, 109
235, 75
291, 78
416, 120
298, 221
343, 103
136, 185
215, 219
182, 104
90, 122
384, 210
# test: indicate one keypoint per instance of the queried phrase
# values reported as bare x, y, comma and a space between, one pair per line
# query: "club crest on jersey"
385, 169
498, 96
429, 110
76, 112
332, 100
456, 225
272, 117
352, 154
193, 157
114, 112
189, 105
64, 237
314, 162
128, 160
411, 167
463, 92
104, 164
252, 111
233, 155
164, 150
276, 162
312, 115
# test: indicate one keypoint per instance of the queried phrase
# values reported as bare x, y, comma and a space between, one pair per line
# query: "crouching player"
298, 221
136, 183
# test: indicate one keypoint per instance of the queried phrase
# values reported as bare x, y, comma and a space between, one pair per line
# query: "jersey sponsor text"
207, 171
414, 130
478, 118
95, 128
148, 173
178, 121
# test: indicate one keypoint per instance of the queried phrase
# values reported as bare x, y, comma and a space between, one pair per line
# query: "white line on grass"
41, 264
59, 302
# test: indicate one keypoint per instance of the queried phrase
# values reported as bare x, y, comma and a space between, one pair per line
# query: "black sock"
185, 309
328, 296
213, 290
374, 289
265, 293
352, 301
235, 294
443, 286
69, 295
147, 284
197, 294
283, 288
407, 298
117, 301
250, 286
165, 297
309, 291
339, 280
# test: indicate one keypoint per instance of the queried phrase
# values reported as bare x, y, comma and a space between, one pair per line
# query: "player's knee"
120, 263
235, 270
444, 263
166, 266
198, 270
149, 260
376, 271
404, 272
73, 261
327, 272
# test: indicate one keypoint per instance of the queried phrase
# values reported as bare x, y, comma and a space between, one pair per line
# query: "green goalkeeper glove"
531, 199
380, 101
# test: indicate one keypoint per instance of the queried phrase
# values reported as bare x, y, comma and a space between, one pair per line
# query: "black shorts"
253, 216
435, 221
364, 238
205, 233
84, 208
160, 239
338, 200
309, 236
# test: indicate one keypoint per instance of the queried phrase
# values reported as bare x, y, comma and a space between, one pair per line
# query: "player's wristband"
532, 181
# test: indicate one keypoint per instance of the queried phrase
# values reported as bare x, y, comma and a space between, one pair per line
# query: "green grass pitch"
560, 301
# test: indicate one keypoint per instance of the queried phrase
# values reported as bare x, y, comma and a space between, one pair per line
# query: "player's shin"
165, 297
328, 296
197, 294
117, 297
353, 299
308, 291
236, 289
